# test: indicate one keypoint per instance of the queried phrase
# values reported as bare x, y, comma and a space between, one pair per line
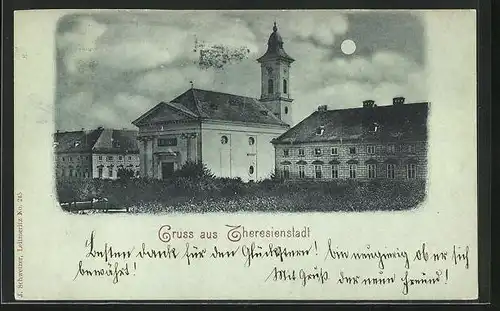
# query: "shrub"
194, 170
196, 189
124, 173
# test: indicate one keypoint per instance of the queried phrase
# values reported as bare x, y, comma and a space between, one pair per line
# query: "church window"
317, 151
352, 150
224, 140
286, 110
335, 151
251, 141
301, 152
285, 86
109, 158
370, 149
286, 152
270, 86
251, 169
99, 171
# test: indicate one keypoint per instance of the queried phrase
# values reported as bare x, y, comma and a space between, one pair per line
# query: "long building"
369, 142
96, 153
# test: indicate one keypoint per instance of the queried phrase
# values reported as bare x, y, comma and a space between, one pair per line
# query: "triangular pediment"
165, 112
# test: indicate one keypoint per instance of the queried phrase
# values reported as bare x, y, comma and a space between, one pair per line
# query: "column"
191, 146
142, 155
195, 147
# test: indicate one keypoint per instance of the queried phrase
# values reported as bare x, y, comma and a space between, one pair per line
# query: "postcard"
245, 155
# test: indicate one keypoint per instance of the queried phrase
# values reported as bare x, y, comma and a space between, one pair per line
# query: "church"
230, 134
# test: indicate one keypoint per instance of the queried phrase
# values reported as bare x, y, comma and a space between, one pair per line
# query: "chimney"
368, 103
398, 100
323, 108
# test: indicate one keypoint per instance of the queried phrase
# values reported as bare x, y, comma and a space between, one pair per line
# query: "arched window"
270, 86
285, 86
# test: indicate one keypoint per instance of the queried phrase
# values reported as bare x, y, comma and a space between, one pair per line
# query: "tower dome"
275, 40
275, 47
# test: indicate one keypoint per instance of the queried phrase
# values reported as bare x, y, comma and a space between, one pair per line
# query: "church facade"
231, 134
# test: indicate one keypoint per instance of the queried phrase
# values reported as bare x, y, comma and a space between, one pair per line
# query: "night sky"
112, 67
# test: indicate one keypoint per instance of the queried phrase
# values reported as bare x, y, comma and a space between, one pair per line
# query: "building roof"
275, 48
377, 123
98, 140
197, 104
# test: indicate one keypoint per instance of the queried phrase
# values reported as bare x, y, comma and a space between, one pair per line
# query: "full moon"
348, 47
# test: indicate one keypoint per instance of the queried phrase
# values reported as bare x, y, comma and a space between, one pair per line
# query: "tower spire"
275, 77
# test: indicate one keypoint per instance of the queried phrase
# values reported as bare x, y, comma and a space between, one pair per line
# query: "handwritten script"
308, 263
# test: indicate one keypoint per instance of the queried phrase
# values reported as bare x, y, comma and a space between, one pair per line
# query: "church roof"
96, 140
275, 47
197, 104
379, 123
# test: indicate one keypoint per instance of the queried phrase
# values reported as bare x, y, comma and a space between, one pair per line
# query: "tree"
194, 170
124, 173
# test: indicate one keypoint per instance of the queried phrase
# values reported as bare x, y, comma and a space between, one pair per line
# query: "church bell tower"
275, 78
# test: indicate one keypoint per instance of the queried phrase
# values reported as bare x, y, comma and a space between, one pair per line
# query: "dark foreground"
202, 195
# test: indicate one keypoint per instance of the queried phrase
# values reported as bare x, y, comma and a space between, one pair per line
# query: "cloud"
117, 66
82, 110
78, 46
135, 47
159, 84
351, 93
322, 27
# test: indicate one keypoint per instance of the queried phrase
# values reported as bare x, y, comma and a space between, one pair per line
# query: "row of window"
109, 171
78, 158
411, 171
370, 149
85, 173
109, 158
76, 173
